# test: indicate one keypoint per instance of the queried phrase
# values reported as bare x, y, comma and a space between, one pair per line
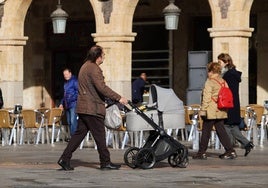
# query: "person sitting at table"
138, 87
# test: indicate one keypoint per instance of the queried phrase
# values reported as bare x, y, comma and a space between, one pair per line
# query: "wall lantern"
171, 13
59, 18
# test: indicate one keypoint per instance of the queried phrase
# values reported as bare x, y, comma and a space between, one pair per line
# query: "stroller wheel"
179, 159
173, 160
130, 156
145, 158
183, 156
184, 163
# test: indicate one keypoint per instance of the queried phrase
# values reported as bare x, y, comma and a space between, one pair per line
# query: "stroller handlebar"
143, 107
131, 104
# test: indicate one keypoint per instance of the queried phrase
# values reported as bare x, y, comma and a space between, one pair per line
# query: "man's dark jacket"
138, 90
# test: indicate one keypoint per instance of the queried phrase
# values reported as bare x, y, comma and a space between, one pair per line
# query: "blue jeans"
71, 119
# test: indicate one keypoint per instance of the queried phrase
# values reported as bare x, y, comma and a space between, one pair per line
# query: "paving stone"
36, 166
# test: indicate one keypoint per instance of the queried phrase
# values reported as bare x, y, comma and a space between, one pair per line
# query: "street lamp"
171, 13
59, 18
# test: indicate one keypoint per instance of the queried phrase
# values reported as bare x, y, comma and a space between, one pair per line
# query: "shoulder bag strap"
221, 84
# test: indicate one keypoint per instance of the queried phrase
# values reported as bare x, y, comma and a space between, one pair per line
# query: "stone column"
114, 34
11, 66
12, 41
230, 32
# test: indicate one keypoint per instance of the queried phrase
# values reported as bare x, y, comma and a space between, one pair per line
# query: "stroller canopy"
166, 99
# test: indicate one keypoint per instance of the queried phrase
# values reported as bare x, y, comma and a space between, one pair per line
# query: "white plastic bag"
113, 119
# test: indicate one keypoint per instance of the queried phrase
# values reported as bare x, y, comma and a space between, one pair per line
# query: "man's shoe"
202, 156
110, 166
248, 148
67, 140
65, 165
228, 155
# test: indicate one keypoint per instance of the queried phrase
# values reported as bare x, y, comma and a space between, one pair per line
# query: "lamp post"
59, 18
171, 13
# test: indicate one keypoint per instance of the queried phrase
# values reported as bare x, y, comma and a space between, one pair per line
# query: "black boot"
248, 148
110, 166
202, 156
65, 165
228, 155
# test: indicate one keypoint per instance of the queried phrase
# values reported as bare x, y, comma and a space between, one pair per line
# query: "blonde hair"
214, 67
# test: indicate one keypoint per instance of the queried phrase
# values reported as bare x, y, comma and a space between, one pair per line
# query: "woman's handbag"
242, 125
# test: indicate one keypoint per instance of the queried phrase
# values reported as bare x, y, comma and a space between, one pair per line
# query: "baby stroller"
159, 145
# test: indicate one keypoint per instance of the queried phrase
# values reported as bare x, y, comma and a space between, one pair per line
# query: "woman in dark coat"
233, 78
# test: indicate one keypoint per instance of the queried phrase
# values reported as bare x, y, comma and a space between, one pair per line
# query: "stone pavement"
36, 166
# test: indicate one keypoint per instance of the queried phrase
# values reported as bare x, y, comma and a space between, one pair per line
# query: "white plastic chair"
52, 119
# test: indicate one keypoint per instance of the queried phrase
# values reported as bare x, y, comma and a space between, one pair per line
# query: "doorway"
68, 51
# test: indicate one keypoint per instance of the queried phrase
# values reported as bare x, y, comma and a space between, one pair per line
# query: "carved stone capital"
224, 5
107, 8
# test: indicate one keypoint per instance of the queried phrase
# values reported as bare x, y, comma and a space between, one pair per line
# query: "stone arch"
112, 36
122, 10
13, 18
116, 38
46, 54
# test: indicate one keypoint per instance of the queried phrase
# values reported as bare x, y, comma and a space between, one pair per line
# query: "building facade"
133, 36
